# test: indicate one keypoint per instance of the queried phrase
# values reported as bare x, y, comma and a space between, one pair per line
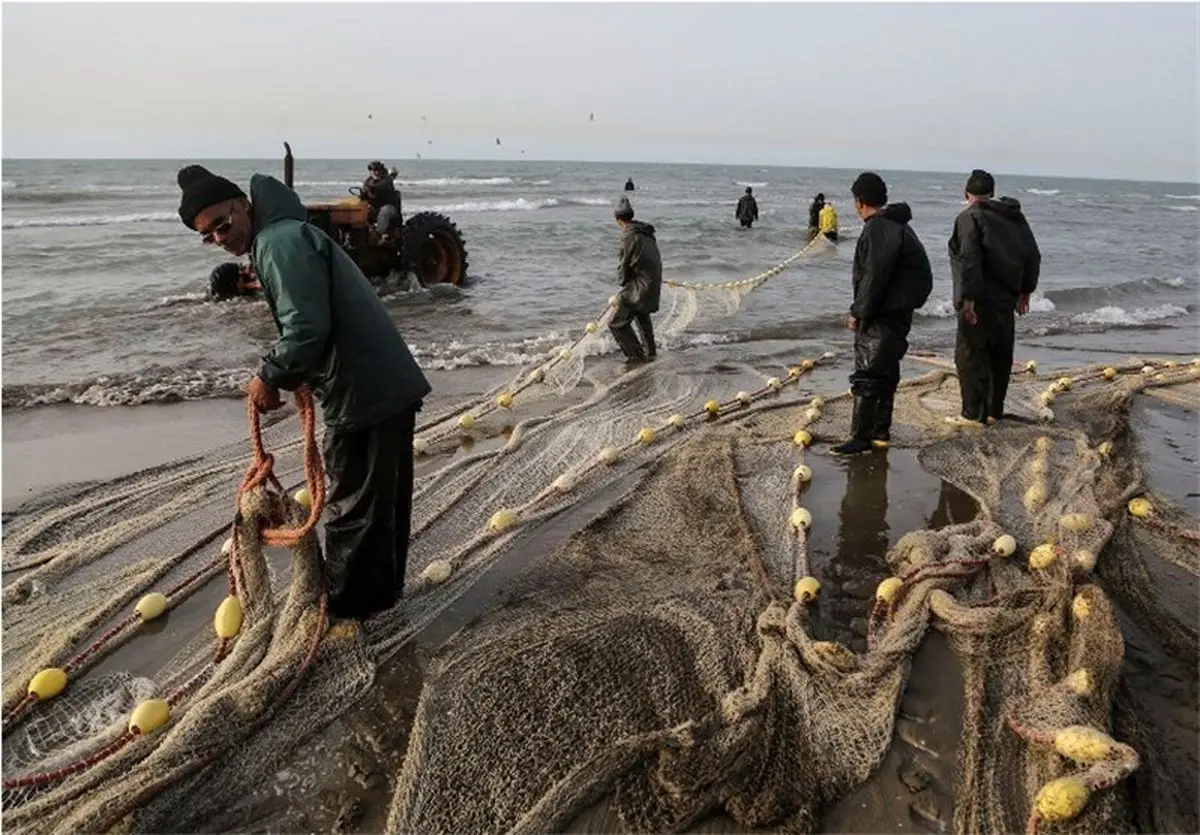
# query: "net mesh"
668, 656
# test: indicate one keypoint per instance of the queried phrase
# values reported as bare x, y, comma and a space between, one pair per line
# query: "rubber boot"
628, 342
861, 425
881, 427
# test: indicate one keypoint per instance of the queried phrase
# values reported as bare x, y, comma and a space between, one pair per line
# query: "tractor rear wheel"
434, 249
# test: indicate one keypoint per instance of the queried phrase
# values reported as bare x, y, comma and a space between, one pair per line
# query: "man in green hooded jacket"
335, 335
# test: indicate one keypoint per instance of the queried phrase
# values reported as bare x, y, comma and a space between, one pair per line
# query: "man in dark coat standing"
995, 263
892, 278
747, 209
639, 273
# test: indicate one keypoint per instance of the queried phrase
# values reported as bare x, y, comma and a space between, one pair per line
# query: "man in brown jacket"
640, 276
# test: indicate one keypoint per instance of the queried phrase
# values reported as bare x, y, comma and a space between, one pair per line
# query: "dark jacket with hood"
814, 213
891, 269
380, 192
640, 269
747, 208
334, 332
994, 257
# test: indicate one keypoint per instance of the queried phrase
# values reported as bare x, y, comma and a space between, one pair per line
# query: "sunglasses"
222, 228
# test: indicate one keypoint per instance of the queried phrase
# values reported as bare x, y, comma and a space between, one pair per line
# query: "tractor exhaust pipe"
289, 166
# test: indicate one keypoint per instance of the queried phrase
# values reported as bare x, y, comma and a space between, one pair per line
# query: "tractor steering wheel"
356, 191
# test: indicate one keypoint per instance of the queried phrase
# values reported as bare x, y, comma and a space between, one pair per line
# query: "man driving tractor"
379, 191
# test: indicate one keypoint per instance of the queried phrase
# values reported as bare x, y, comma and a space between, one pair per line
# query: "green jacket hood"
273, 201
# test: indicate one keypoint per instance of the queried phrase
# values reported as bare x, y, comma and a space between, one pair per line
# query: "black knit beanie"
624, 209
981, 183
201, 189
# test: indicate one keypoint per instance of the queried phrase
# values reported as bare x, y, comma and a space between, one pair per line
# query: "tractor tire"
434, 249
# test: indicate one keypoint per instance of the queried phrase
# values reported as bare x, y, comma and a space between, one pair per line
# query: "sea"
103, 299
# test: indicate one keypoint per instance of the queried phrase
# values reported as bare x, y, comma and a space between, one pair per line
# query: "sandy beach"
341, 780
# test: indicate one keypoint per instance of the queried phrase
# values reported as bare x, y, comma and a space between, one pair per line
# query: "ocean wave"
1183, 196
1045, 192
753, 185
152, 386
944, 308
1184, 208
1112, 315
1135, 288
91, 220
519, 204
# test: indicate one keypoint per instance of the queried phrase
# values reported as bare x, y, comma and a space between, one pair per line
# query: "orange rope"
262, 470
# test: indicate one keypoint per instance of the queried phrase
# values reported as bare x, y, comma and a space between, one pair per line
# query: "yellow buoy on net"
795, 371
438, 571
1031, 367
817, 402
1084, 559
537, 375
1105, 449
466, 421
1064, 383
887, 590
1061, 799
1083, 744
1080, 682
505, 400
565, 483
149, 716
806, 365
420, 446
712, 407
1080, 608
502, 520
48, 683
564, 354
609, 455
1034, 496
802, 438
591, 327
1004, 546
645, 436
228, 619
1075, 522
1110, 373
1043, 444
1047, 398
303, 497
800, 519
151, 606
743, 397
802, 474
774, 383
614, 300
812, 415
1140, 507
807, 589
1043, 556
675, 421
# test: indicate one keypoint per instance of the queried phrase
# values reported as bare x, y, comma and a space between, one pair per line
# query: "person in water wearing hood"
814, 215
629, 184
994, 263
639, 273
335, 335
379, 190
747, 209
892, 278
828, 219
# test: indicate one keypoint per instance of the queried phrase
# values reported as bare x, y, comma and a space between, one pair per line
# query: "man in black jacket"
995, 262
747, 209
814, 215
639, 272
892, 278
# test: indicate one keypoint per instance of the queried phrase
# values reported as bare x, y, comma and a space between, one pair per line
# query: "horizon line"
519, 160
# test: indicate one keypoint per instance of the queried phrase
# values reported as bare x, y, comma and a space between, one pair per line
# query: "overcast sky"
1071, 89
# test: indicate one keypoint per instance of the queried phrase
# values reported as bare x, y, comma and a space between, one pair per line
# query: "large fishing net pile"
667, 658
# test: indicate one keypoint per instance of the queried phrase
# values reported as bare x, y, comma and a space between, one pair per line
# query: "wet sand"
340, 781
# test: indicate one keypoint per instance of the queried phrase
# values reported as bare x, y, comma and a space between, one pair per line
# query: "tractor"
428, 244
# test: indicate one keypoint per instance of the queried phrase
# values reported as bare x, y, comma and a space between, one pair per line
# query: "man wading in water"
335, 335
892, 278
994, 261
640, 276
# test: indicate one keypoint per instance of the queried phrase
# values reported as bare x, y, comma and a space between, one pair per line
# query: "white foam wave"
944, 308
519, 204
752, 185
1045, 192
7, 184
541, 182
1184, 196
1112, 315
1040, 304
1184, 208
92, 220
459, 181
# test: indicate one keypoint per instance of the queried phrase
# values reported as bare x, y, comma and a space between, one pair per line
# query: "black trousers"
746, 222
621, 326
983, 355
879, 345
832, 236
369, 514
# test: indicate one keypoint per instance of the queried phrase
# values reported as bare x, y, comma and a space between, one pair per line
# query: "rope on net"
261, 483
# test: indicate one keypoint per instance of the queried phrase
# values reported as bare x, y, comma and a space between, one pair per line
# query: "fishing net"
669, 656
